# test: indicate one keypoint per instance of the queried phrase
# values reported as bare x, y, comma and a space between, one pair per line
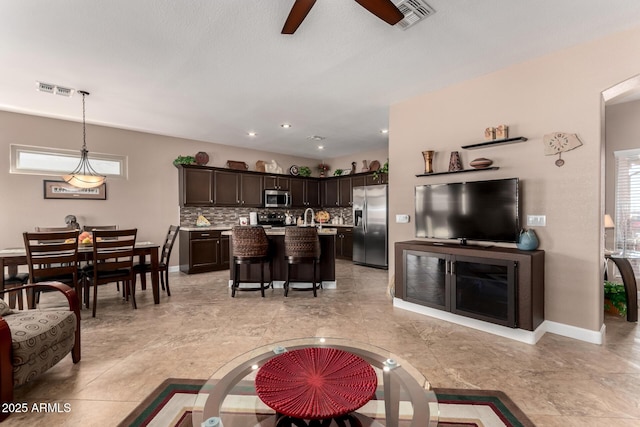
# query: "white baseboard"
174, 269
528, 337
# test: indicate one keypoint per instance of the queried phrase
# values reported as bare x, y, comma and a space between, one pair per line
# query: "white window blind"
627, 216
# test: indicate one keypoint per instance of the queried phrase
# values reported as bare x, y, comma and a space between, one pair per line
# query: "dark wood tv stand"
525, 275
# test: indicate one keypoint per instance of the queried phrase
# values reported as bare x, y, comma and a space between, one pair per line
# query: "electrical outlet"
402, 218
536, 220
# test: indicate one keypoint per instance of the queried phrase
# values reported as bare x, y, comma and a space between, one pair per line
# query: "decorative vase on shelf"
527, 241
428, 161
455, 163
365, 167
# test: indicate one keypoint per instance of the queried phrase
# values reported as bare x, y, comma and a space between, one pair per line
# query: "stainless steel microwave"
277, 199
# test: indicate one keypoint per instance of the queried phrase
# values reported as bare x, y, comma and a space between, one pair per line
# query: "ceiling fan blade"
298, 12
383, 9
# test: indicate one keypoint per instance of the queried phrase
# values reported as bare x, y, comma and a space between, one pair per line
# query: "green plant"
383, 169
184, 160
337, 172
304, 171
615, 296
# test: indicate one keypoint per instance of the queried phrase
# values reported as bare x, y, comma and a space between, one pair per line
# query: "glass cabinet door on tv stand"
484, 289
426, 279
481, 288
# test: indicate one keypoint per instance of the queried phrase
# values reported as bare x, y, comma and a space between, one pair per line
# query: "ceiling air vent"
45, 87
63, 91
414, 11
58, 90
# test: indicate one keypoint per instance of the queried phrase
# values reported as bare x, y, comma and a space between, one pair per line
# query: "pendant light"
84, 176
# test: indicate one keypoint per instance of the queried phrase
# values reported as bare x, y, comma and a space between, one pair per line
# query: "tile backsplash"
230, 216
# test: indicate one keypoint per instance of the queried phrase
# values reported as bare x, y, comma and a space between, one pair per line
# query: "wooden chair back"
47, 229
113, 255
52, 256
168, 244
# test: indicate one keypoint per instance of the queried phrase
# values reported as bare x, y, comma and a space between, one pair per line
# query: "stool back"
249, 242
301, 242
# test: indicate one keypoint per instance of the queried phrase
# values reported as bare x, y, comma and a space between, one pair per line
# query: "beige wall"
148, 200
369, 155
558, 92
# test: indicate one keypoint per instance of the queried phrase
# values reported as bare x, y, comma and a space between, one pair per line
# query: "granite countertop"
279, 231
208, 228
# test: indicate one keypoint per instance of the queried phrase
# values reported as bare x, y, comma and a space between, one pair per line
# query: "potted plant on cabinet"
615, 298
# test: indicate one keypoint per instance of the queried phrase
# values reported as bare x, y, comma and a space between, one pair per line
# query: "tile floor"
127, 353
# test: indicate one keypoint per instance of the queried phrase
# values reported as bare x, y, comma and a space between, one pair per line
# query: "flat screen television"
478, 210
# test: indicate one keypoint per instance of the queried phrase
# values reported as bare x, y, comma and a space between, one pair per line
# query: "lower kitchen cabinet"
344, 243
203, 251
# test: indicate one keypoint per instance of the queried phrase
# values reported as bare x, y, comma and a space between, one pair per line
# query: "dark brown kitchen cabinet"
274, 182
203, 251
330, 193
305, 193
344, 243
237, 189
373, 179
195, 186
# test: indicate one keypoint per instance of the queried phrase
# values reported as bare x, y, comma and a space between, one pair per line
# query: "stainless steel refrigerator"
370, 226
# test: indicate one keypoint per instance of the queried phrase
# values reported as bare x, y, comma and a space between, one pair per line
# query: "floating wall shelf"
495, 142
462, 171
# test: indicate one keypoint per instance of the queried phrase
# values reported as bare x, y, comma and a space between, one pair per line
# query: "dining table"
12, 258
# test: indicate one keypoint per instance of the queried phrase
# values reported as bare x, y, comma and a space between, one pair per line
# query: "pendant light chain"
84, 124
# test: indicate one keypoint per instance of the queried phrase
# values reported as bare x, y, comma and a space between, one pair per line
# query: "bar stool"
249, 246
301, 246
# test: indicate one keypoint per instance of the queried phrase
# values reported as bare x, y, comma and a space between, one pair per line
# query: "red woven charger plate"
316, 383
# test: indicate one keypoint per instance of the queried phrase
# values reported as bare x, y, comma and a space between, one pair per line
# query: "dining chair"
13, 284
143, 268
49, 229
52, 256
90, 228
301, 246
249, 245
112, 262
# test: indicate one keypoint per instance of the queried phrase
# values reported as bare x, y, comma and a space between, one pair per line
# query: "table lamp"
608, 225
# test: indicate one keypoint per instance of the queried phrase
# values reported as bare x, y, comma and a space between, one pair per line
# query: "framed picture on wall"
62, 190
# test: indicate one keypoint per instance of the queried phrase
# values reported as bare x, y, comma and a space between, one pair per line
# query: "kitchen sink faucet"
313, 216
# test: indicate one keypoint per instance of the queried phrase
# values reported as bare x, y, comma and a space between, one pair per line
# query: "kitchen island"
301, 273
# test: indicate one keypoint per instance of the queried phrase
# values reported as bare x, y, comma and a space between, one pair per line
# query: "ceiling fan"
383, 9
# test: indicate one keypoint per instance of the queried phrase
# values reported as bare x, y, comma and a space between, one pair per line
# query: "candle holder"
428, 161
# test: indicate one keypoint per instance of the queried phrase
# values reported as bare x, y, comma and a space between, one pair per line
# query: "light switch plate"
536, 220
402, 218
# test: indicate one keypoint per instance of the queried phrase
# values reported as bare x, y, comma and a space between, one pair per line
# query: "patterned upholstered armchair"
32, 341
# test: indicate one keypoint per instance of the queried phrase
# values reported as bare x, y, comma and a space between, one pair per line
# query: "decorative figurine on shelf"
365, 167
527, 241
428, 161
455, 163
72, 222
490, 134
353, 168
502, 132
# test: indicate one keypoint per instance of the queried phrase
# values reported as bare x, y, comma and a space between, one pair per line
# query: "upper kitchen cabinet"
275, 182
305, 193
373, 179
195, 186
330, 192
237, 189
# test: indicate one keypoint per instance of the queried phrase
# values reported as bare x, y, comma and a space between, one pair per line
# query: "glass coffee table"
402, 398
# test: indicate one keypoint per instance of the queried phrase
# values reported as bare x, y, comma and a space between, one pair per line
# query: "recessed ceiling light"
385, 131
320, 147
285, 125
251, 133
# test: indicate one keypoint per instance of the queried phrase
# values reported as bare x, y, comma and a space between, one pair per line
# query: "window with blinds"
627, 216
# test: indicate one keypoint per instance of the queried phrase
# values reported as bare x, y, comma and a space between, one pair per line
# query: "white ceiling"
212, 70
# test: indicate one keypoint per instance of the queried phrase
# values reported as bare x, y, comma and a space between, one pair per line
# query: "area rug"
170, 404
